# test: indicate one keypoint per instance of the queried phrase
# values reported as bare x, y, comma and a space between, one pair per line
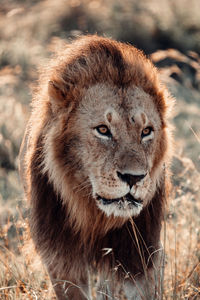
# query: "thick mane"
92, 59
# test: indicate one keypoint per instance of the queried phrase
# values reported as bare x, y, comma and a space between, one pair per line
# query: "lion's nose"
130, 178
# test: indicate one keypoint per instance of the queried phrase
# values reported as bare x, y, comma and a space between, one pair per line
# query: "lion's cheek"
160, 152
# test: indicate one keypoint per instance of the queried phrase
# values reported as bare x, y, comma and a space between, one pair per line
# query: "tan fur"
68, 163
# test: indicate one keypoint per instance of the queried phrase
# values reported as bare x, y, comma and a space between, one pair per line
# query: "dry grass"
28, 30
22, 275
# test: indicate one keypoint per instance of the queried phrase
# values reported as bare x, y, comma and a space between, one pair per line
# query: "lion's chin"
126, 206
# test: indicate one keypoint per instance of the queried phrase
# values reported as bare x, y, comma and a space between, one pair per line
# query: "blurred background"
168, 31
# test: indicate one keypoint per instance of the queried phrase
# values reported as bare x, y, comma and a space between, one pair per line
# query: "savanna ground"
29, 30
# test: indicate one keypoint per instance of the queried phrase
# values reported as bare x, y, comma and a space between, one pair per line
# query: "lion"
94, 163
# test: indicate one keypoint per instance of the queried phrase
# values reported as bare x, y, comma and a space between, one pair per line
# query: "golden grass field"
29, 30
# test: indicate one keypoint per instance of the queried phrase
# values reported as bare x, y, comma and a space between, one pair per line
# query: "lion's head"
108, 134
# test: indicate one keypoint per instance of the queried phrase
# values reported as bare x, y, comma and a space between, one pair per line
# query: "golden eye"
146, 131
103, 129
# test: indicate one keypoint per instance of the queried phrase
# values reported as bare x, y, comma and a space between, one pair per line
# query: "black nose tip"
130, 179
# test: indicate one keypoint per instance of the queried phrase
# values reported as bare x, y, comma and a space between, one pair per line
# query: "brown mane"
92, 59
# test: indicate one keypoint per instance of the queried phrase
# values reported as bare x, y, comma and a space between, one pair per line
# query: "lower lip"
128, 198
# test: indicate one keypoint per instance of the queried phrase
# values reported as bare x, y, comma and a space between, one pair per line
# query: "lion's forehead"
101, 101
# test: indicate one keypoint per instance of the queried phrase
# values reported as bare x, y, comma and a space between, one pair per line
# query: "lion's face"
120, 136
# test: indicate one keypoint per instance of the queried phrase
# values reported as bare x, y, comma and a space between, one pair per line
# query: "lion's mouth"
127, 198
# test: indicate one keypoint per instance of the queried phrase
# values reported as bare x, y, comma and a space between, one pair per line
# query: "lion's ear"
57, 95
